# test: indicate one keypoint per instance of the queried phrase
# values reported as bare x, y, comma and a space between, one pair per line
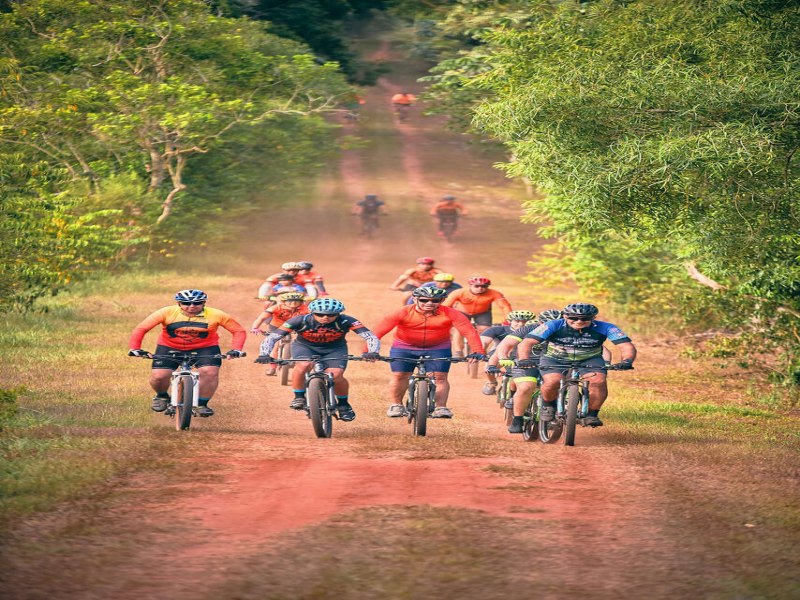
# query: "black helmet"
372, 197
550, 314
448, 197
429, 292
580, 309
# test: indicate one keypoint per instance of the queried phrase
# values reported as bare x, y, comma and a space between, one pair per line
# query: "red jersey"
425, 330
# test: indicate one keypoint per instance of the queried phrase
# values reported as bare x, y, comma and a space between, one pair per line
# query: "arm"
504, 305
137, 336
397, 282
238, 332
264, 317
465, 328
452, 298
264, 290
525, 346
627, 351
373, 343
269, 342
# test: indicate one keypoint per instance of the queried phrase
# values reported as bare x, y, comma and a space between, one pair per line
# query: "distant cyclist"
494, 335
402, 103
287, 268
369, 209
313, 282
321, 333
447, 210
443, 281
187, 326
476, 302
575, 337
412, 278
290, 304
423, 329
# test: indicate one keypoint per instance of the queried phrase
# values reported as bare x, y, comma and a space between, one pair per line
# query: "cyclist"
290, 304
423, 329
448, 210
313, 282
287, 268
524, 380
402, 103
575, 337
369, 209
412, 278
188, 326
494, 335
321, 333
443, 281
476, 302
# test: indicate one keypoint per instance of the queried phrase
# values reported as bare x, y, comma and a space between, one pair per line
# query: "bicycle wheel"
183, 412
503, 396
448, 229
529, 420
284, 353
419, 415
573, 397
321, 419
549, 431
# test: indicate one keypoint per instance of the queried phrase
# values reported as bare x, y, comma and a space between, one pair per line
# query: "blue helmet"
328, 306
191, 296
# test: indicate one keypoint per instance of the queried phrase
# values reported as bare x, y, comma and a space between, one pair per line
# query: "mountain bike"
401, 112
369, 223
505, 395
421, 395
447, 226
320, 396
530, 418
184, 390
572, 405
284, 353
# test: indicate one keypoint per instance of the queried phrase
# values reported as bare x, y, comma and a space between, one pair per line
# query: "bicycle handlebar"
179, 356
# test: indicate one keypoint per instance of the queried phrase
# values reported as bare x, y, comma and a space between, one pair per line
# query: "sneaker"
547, 413
346, 412
204, 411
591, 422
159, 404
489, 389
442, 412
509, 404
516, 425
298, 404
396, 410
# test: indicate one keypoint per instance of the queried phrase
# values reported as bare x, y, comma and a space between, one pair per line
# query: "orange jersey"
183, 332
421, 330
406, 99
420, 277
281, 313
448, 208
309, 277
475, 304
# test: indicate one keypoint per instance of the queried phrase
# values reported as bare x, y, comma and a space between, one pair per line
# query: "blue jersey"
566, 343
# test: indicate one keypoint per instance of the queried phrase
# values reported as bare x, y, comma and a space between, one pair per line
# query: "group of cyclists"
447, 212
437, 315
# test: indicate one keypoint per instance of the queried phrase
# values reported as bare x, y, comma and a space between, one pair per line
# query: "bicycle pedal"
170, 412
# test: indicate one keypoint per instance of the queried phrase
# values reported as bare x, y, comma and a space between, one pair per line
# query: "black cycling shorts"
165, 363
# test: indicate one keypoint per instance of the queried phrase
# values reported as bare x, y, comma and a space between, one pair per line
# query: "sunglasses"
479, 285
431, 300
192, 303
579, 319
324, 314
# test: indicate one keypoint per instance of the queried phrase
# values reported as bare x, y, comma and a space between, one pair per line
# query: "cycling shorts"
335, 354
517, 373
484, 318
595, 364
434, 366
165, 363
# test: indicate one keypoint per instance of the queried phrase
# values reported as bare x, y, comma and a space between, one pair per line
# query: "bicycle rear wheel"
573, 397
284, 353
504, 395
183, 412
419, 404
529, 420
321, 419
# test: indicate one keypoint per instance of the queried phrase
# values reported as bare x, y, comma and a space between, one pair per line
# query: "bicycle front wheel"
549, 431
503, 396
321, 418
419, 403
529, 420
573, 398
183, 412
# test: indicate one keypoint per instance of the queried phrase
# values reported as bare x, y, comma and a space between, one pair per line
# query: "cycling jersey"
415, 329
418, 277
404, 99
281, 313
448, 208
273, 279
519, 334
184, 332
308, 277
370, 208
473, 304
497, 332
566, 343
312, 333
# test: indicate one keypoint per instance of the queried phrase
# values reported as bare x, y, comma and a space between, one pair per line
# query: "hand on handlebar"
624, 365
256, 331
235, 354
475, 357
492, 370
263, 360
526, 363
139, 353
370, 356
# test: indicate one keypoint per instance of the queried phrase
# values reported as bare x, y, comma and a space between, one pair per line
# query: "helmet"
371, 197
521, 315
551, 314
285, 277
448, 198
580, 309
479, 281
305, 265
191, 296
291, 266
328, 306
444, 277
287, 296
429, 292
425, 260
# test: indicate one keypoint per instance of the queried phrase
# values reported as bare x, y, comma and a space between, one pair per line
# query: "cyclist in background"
423, 329
188, 326
287, 268
494, 335
476, 302
575, 337
370, 208
402, 103
321, 333
443, 281
448, 210
313, 282
290, 304
411, 279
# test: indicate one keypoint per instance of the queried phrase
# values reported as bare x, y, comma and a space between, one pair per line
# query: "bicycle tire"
448, 229
530, 427
571, 408
183, 412
284, 353
549, 431
420, 408
321, 418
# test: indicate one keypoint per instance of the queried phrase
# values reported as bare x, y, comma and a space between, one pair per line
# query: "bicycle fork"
187, 377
